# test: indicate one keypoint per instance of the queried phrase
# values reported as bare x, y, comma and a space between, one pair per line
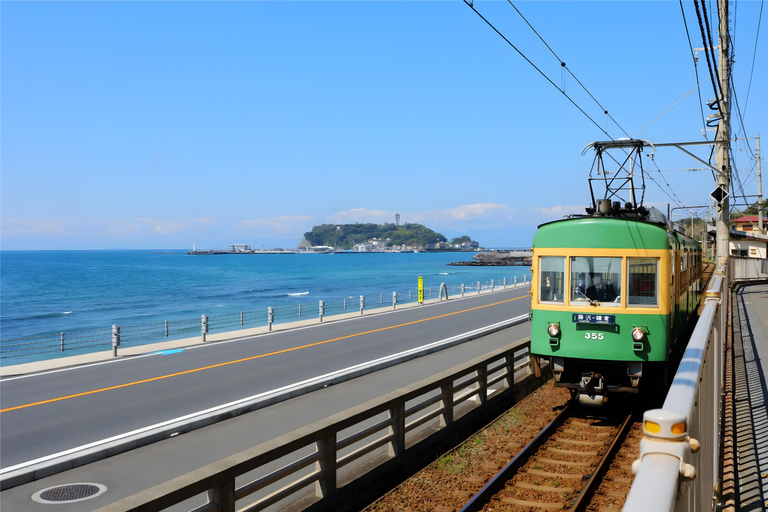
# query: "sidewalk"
750, 349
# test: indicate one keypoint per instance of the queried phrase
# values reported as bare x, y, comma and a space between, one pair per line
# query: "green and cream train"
611, 296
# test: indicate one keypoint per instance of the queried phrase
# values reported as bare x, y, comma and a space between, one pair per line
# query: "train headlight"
638, 334
553, 329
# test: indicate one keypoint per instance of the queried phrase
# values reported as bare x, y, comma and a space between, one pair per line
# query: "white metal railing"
310, 459
38, 347
748, 268
679, 468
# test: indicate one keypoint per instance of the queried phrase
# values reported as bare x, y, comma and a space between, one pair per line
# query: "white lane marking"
199, 414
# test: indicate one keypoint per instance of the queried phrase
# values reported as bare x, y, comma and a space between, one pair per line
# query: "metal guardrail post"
446, 418
241, 317
362, 304
482, 385
394, 300
299, 310
505, 283
270, 317
381, 299
204, 327
115, 339
493, 286
478, 287
397, 445
462, 289
515, 281
62, 342
509, 367
345, 304
223, 496
321, 308
525, 279
166, 325
325, 487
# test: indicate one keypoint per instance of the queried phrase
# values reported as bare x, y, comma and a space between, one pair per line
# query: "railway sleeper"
578, 442
552, 474
594, 453
533, 504
545, 488
566, 462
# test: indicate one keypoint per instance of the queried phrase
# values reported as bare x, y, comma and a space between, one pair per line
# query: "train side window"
552, 279
642, 281
594, 278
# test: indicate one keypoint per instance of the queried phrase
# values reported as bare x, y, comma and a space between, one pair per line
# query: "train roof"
610, 233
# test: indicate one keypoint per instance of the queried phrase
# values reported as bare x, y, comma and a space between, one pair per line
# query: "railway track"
561, 468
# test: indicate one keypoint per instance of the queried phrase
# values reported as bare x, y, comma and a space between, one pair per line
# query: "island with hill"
386, 237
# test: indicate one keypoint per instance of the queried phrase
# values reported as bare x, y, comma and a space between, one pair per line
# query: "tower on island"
397, 219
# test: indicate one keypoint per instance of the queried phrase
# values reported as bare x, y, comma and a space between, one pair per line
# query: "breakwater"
497, 259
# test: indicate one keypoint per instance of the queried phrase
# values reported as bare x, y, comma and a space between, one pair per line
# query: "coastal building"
749, 224
748, 245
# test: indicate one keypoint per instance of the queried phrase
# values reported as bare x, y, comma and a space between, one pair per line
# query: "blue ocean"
83, 293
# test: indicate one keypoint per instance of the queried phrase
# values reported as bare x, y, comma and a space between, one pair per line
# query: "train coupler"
592, 389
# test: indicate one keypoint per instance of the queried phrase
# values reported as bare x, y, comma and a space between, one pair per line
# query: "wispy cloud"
147, 225
356, 215
540, 214
277, 226
24, 227
481, 215
485, 216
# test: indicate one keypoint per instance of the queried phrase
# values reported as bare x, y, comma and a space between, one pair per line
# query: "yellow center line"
219, 365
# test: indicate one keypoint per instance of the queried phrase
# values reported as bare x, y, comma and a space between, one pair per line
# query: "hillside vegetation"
345, 236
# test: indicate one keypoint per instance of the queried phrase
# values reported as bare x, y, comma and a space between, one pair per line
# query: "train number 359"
593, 336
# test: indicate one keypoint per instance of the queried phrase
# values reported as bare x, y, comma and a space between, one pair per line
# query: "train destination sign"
594, 319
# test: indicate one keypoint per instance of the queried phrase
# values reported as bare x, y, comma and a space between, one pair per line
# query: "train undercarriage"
593, 381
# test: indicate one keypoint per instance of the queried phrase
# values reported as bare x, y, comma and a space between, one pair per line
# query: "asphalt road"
51, 412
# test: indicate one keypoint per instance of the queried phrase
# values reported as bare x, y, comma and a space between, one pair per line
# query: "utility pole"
722, 154
759, 188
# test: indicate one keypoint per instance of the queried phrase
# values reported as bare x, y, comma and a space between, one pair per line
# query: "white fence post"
115, 339
204, 327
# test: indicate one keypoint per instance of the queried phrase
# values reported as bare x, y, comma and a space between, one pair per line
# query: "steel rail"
588, 491
484, 495
498, 482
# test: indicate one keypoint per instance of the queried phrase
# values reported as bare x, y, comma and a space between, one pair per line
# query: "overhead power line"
565, 66
757, 37
695, 70
705, 41
469, 4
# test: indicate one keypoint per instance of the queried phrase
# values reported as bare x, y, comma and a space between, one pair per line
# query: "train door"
673, 265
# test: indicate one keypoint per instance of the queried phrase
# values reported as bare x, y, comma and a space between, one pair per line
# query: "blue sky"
163, 124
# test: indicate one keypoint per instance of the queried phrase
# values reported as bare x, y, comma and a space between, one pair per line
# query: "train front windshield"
597, 279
